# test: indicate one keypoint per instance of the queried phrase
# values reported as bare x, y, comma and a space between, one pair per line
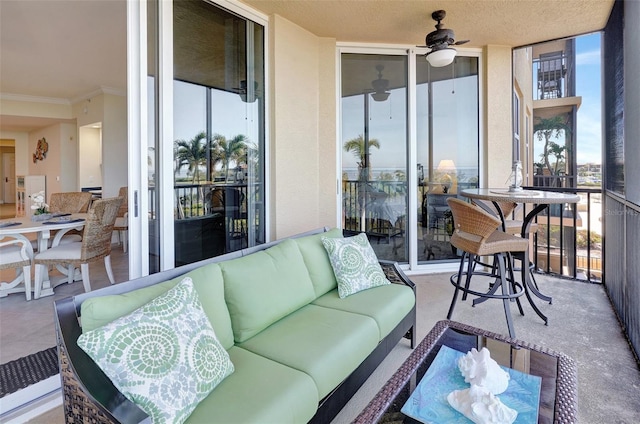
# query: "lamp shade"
442, 57
446, 165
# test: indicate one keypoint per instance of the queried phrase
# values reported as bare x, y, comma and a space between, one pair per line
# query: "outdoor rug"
28, 370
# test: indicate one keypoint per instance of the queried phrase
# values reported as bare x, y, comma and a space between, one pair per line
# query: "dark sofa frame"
89, 395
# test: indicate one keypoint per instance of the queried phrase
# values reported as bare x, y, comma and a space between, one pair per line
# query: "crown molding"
34, 99
99, 91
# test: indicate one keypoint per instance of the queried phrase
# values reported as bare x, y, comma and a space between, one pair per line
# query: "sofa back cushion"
207, 280
265, 286
317, 260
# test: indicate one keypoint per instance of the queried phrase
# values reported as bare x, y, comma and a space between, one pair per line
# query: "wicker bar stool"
511, 226
476, 234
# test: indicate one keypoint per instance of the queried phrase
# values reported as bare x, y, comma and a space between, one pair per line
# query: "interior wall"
111, 111
68, 157
498, 134
302, 147
114, 145
50, 166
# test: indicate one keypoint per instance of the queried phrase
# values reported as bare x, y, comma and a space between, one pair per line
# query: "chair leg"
124, 236
84, 269
471, 266
107, 266
505, 291
26, 274
514, 288
37, 284
455, 293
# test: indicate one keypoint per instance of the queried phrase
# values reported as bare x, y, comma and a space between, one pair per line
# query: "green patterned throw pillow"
354, 263
164, 356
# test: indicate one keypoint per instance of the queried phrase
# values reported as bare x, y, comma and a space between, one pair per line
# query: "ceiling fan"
439, 41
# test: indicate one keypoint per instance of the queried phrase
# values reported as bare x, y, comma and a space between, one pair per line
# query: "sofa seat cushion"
207, 280
326, 344
259, 391
387, 305
265, 286
317, 260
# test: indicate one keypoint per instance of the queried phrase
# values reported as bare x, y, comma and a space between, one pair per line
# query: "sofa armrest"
394, 274
89, 395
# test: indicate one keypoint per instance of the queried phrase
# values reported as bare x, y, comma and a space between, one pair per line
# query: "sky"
589, 86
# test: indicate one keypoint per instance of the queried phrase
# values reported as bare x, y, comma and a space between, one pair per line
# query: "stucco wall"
497, 110
303, 159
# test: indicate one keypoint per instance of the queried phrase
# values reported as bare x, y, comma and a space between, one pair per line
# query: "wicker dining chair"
16, 253
121, 227
477, 233
95, 245
70, 202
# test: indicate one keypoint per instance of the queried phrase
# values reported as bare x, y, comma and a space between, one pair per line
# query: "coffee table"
558, 393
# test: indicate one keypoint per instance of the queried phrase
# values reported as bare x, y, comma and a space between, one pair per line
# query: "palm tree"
356, 146
548, 128
230, 150
192, 153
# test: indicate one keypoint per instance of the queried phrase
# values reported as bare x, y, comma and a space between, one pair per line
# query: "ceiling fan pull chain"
453, 77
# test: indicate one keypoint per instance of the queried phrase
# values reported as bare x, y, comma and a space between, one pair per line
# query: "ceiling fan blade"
457, 43
423, 47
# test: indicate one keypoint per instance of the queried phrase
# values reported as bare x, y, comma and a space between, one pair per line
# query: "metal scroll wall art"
41, 150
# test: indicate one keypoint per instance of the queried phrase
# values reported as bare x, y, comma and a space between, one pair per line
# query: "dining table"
540, 200
23, 227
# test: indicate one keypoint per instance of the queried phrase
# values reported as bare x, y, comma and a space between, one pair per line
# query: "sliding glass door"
206, 150
374, 151
447, 140
409, 140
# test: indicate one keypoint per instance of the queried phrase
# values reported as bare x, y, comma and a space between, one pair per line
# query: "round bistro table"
541, 199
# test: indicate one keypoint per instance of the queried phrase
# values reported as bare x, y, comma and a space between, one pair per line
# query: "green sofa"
299, 351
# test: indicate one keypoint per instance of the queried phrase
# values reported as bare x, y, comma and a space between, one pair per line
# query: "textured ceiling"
66, 49
502, 22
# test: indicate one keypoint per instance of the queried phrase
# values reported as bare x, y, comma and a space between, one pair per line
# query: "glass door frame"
138, 128
414, 54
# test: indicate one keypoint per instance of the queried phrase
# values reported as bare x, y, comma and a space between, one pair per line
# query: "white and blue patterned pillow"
164, 356
354, 263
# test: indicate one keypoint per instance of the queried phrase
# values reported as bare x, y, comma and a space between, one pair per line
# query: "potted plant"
40, 208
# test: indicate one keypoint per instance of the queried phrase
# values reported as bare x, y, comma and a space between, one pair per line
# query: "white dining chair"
95, 245
16, 253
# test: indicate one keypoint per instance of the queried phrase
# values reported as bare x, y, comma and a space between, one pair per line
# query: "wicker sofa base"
89, 396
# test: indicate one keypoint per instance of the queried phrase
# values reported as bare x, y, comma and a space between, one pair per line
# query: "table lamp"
447, 170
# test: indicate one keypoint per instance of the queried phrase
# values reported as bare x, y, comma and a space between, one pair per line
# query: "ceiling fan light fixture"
380, 96
380, 86
441, 57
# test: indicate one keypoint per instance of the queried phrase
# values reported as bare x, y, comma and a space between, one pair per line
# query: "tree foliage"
547, 129
357, 147
197, 151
